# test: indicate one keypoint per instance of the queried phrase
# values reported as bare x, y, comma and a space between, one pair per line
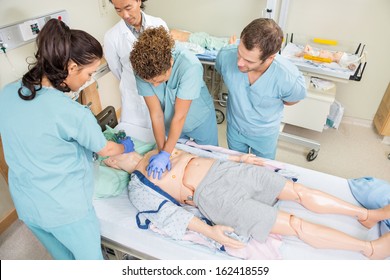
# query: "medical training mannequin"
118, 43
48, 141
339, 57
171, 81
211, 185
260, 83
202, 39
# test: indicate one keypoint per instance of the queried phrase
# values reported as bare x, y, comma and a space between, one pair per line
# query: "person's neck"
46, 82
139, 24
254, 75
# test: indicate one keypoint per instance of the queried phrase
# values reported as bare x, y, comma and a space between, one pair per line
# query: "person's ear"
272, 57
72, 67
110, 162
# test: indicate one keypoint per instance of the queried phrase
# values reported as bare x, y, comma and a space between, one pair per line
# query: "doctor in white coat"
118, 43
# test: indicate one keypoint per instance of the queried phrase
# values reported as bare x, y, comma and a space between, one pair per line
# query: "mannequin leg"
320, 202
180, 35
323, 237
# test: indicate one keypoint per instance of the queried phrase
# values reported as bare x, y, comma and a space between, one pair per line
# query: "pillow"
110, 181
372, 193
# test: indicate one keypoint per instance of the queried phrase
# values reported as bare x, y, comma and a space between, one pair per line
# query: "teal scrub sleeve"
144, 88
89, 134
222, 57
297, 91
191, 83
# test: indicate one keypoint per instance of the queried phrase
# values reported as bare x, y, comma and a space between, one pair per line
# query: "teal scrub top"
48, 144
186, 82
257, 109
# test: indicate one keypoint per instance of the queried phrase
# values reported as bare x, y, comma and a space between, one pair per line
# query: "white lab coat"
118, 43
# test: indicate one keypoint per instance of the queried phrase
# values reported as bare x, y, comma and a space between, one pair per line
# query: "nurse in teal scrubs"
260, 83
48, 141
179, 103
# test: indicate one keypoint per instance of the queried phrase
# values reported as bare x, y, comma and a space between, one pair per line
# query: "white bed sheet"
117, 218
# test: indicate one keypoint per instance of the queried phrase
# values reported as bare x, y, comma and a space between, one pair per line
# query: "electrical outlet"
29, 29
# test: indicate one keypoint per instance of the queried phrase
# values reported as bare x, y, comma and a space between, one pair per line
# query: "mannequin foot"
374, 217
232, 39
380, 248
368, 222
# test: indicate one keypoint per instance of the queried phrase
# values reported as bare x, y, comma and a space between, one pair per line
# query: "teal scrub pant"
206, 133
76, 241
261, 146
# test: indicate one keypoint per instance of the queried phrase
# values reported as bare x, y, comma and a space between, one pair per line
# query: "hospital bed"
122, 239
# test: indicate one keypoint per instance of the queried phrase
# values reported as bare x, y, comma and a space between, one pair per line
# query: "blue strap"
154, 187
207, 221
147, 221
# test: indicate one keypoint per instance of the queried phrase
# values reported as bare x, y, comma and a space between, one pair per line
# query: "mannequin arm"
216, 232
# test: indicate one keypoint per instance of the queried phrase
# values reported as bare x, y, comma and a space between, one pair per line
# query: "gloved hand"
128, 143
158, 164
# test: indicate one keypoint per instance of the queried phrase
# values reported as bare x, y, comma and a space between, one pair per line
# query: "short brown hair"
264, 34
152, 53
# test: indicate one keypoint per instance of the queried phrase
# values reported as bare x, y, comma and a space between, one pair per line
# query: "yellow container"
325, 41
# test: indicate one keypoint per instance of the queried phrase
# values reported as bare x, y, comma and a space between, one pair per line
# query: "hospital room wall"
217, 17
349, 21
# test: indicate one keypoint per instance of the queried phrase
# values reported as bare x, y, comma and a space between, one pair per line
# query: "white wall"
217, 17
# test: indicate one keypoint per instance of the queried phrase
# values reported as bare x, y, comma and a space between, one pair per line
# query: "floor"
351, 151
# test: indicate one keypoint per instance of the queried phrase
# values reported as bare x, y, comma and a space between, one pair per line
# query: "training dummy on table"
48, 141
211, 186
260, 84
342, 58
202, 39
180, 105
118, 43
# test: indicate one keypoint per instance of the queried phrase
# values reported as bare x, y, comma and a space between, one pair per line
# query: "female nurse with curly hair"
179, 103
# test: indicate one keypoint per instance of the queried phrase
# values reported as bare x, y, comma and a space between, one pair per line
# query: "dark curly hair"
57, 44
152, 53
265, 34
